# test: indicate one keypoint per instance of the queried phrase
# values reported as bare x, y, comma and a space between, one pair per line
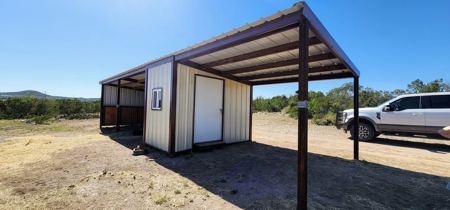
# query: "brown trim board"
173, 108
118, 106
278, 25
144, 126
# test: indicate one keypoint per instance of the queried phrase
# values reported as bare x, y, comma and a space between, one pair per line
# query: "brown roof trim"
267, 51
137, 71
322, 33
294, 72
310, 79
278, 25
212, 71
291, 62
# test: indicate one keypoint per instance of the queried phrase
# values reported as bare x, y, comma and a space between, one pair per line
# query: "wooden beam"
262, 66
130, 80
291, 73
133, 81
126, 83
331, 76
310, 78
275, 81
260, 53
291, 62
275, 26
212, 71
302, 148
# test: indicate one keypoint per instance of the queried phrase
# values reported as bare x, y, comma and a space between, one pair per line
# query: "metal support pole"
173, 108
356, 118
102, 109
118, 107
144, 123
250, 121
302, 115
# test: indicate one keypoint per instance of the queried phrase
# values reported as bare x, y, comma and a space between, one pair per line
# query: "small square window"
156, 98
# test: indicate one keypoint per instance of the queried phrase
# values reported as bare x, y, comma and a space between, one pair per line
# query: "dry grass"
69, 165
19, 151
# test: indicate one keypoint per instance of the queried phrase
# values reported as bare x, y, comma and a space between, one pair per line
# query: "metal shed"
203, 93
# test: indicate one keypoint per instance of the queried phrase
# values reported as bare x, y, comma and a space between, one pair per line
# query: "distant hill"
37, 94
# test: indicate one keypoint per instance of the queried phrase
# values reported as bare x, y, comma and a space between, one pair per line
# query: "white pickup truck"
413, 114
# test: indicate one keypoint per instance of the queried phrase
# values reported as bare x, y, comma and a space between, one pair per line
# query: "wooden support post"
118, 107
250, 121
144, 125
102, 109
356, 118
302, 115
173, 108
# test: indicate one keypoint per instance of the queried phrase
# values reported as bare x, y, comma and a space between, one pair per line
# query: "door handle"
221, 111
416, 114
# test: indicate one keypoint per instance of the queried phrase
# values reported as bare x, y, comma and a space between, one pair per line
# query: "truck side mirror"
387, 108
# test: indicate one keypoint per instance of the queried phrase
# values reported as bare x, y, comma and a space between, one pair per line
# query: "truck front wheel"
366, 131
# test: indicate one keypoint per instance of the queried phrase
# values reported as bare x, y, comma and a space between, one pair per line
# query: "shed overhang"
289, 46
263, 52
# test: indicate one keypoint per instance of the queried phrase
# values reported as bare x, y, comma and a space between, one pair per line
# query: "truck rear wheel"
366, 131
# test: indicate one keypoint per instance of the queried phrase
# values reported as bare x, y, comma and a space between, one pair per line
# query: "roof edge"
323, 34
296, 7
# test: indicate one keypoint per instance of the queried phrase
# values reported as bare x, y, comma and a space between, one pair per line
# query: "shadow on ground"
432, 147
252, 175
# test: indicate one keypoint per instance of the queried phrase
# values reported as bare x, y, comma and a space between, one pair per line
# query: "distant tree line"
41, 110
322, 108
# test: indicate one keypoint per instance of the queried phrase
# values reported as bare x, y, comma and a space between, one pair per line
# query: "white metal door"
208, 109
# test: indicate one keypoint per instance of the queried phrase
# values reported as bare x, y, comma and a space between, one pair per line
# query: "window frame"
155, 105
396, 104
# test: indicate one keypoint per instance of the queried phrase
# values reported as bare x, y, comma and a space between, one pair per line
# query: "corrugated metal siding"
128, 97
237, 112
236, 109
109, 95
157, 123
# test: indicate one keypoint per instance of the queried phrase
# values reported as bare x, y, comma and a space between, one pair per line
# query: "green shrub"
42, 110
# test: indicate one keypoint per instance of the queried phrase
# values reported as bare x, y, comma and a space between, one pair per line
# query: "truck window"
436, 102
406, 103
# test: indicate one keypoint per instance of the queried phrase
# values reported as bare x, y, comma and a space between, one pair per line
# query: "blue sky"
65, 48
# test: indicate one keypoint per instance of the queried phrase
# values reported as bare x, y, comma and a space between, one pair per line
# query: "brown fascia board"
134, 80
291, 73
322, 33
137, 71
126, 84
313, 58
310, 78
212, 71
260, 53
278, 25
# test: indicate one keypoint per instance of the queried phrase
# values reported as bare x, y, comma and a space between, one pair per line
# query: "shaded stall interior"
124, 98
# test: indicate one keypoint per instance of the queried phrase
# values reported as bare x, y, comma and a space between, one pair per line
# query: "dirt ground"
75, 165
